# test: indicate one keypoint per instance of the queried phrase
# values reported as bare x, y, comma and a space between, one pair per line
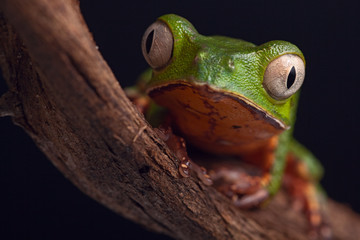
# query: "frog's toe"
326, 232
251, 200
188, 167
322, 232
319, 227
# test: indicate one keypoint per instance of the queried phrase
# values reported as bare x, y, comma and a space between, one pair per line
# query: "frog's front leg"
177, 144
246, 189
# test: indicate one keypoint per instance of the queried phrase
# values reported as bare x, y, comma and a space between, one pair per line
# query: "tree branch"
64, 95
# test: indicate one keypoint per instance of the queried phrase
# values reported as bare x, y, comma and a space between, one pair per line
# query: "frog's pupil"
291, 78
149, 41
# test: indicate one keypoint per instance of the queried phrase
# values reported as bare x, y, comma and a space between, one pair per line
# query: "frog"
229, 97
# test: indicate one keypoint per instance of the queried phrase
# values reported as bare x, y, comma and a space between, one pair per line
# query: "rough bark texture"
63, 94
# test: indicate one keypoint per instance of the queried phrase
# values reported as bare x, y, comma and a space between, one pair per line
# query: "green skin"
236, 66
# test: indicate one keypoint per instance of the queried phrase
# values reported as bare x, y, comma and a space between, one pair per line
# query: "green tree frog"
227, 96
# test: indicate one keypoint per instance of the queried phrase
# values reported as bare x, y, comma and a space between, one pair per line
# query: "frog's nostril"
231, 64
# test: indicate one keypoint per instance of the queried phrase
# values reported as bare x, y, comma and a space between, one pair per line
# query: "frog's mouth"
208, 95
257, 110
216, 121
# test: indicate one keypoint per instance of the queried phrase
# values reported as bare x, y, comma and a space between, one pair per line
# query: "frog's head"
266, 77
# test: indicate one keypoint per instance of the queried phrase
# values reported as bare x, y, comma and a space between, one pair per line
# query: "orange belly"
216, 121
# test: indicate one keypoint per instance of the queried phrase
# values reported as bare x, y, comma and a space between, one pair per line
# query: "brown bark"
64, 95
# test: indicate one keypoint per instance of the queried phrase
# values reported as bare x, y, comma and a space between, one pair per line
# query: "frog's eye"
157, 45
284, 76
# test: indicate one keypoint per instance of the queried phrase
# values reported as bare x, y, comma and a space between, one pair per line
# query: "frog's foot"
306, 197
245, 190
177, 144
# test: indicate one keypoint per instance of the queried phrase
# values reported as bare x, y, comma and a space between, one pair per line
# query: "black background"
37, 202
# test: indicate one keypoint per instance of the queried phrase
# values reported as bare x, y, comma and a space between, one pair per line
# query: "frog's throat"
256, 109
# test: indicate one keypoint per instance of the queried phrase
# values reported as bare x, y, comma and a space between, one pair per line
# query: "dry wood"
64, 95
